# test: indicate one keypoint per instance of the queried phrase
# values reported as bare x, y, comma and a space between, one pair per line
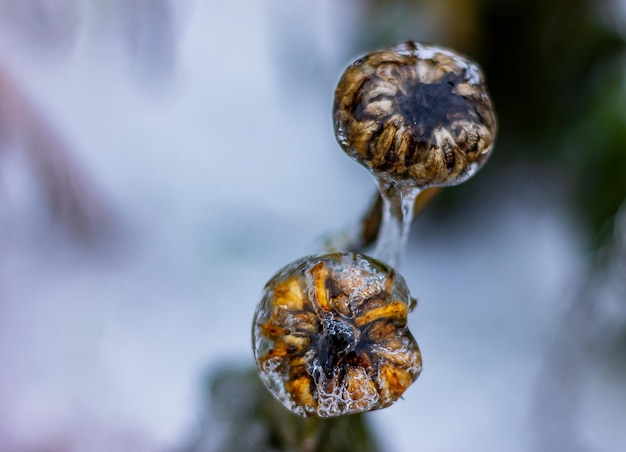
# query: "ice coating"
397, 216
330, 335
415, 113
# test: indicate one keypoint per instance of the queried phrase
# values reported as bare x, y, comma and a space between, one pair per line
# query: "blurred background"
161, 159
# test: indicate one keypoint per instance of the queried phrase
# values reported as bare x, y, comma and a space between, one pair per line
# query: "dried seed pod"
330, 335
416, 114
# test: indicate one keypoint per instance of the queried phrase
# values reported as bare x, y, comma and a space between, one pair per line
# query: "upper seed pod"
416, 114
330, 336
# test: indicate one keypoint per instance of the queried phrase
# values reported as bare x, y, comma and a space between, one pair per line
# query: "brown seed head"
330, 336
415, 113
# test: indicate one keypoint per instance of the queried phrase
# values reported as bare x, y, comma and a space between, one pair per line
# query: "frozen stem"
397, 215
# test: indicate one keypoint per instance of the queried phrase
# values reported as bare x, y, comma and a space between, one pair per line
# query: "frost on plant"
415, 114
330, 336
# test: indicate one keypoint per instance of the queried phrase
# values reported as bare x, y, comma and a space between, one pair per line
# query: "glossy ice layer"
416, 114
330, 336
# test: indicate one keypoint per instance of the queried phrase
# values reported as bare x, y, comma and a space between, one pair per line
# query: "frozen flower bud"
416, 114
330, 336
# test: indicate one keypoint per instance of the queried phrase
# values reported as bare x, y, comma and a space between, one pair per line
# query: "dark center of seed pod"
427, 106
338, 339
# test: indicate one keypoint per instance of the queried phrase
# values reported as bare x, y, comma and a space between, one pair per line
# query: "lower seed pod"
330, 336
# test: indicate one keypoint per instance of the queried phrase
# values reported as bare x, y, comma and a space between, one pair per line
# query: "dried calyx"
415, 114
330, 336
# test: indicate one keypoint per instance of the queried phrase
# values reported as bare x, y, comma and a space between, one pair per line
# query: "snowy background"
196, 140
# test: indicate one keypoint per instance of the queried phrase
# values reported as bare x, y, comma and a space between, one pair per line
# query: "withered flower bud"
416, 114
330, 336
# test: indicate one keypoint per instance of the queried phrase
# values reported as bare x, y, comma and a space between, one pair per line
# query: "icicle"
398, 202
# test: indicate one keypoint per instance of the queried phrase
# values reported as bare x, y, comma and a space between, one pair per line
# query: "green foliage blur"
241, 415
